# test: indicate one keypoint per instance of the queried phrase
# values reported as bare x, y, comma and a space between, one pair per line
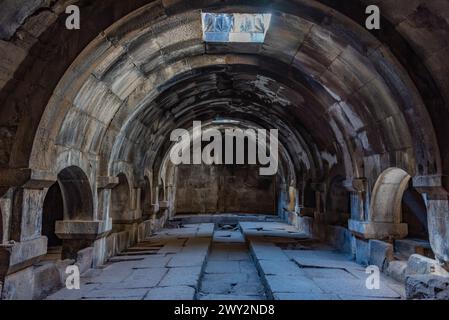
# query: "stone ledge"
107, 182
164, 205
83, 230
128, 221
19, 255
432, 185
378, 230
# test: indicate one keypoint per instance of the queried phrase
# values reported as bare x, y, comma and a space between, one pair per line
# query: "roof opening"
235, 27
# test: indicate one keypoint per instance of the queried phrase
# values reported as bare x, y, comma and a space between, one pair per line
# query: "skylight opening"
235, 27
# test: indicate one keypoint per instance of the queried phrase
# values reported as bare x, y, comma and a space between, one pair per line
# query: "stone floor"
245, 261
230, 273
166, 266
297, 268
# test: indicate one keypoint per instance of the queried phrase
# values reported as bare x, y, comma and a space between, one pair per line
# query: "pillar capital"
431, 185
107, 182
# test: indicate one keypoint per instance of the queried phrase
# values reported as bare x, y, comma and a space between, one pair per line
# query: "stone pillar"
320, 189
25, 244
104, 186
437, 203
292, 197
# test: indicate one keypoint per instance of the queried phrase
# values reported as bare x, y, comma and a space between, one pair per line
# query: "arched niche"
386, 203
76, 194
120, 200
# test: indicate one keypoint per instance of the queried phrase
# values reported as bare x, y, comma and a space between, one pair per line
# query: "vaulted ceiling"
345, 99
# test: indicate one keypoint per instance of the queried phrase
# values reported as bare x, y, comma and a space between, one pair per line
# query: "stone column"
25, 244
320, 189
104, 186
26, 220
437, 203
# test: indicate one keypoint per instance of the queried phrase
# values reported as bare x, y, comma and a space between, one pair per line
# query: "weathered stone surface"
292, 284
84, 259
171, 293
14, 13
427, 286
90, 230
407, 247
19, 286
229, 272
355, 287
270, 267
120, 294
418, 264
305, 296
188, 259
378, 230
341, 238
397, 270
183, 276
362, 251
349, 104
21, 254
47, 279
380, 253
223, 267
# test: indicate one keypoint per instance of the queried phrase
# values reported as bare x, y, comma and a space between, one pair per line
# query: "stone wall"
224, 189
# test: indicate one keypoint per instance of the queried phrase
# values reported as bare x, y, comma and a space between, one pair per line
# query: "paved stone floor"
296, 268
250, 261
166, 266
230, 273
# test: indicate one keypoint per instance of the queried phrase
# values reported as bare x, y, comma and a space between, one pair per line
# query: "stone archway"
76, 194
73, 193
386, 204
384, 218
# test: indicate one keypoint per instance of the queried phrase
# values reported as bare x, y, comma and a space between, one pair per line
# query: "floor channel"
230, 273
